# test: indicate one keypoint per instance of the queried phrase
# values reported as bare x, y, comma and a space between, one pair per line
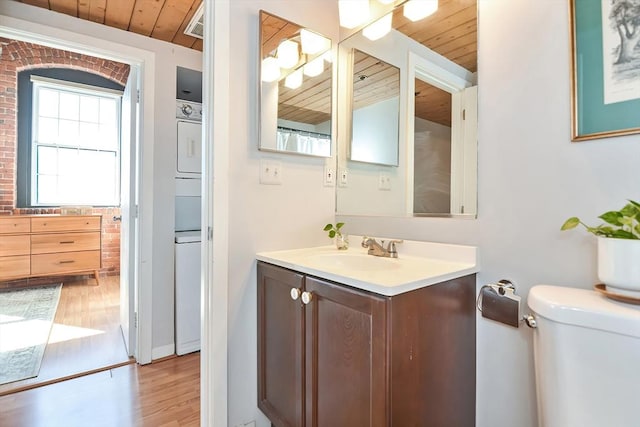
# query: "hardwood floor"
86, 334
165, 393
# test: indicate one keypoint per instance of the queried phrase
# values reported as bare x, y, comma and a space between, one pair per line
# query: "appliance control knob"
187, 109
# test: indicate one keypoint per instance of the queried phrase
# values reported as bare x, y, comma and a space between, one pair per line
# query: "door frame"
18, 29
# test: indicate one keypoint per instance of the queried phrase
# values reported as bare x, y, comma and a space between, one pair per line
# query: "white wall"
264, 217
531, 178
161, 124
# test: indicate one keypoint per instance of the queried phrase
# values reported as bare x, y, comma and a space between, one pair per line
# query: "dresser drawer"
14, 225
65, 223
14, 245
64, 242
65, 262
14, 266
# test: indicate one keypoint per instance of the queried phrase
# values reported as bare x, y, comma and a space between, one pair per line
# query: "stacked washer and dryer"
188, 202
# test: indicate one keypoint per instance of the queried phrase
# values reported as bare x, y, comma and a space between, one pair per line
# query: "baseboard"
163, 351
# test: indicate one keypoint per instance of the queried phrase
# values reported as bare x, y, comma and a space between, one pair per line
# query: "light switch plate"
343, 178
329, 176
270, 172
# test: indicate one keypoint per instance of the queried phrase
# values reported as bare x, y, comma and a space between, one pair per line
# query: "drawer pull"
306, 297
67, 242
67, 262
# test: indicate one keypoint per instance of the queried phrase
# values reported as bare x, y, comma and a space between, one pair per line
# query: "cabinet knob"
307, 297
295, 293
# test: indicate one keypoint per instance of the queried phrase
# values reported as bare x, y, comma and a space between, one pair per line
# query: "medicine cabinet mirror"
436, 142
295, 88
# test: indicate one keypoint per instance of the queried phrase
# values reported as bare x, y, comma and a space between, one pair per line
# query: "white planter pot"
619, 265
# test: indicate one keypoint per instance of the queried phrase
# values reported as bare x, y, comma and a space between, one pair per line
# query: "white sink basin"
419, 264
352, 261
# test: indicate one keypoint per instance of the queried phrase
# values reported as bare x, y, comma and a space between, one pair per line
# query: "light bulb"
270, 69
386, 1
312, 43
378, 29
353, 12
314, 68
419, 9
287, 54
294, 80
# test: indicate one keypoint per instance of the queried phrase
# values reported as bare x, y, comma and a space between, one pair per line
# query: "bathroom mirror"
436, 171
295, 88
375, 110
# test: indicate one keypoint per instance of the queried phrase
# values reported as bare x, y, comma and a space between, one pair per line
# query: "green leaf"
339, 225
570, 223
332, 234
629, 210
636, 204
328, 227
612, 217
622, 234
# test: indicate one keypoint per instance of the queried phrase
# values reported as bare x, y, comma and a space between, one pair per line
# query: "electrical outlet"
270, 172
384, 181
343, 179
329, 176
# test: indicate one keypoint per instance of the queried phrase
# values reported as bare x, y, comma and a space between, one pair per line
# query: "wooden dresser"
48, 245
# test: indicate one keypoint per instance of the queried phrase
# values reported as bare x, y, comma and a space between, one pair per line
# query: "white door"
128, 258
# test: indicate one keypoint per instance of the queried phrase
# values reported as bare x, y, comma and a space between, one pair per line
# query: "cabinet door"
280, 346
346, 380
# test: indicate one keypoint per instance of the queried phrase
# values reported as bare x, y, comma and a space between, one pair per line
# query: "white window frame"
39, 82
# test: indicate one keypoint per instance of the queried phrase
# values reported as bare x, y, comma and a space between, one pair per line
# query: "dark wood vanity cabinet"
347, 357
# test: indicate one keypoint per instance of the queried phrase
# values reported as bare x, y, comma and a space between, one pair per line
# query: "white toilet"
587, 358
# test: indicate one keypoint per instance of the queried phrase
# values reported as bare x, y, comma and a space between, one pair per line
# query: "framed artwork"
605, 72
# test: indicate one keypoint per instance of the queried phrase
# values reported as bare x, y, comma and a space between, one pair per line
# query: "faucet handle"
391, 248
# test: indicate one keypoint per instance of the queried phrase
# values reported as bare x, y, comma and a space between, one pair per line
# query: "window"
75, 144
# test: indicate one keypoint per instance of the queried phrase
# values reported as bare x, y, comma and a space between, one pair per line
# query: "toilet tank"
587, 358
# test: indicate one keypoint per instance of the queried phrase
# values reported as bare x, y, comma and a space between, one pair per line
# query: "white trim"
163, 351
215, 252
45, 35
79, 87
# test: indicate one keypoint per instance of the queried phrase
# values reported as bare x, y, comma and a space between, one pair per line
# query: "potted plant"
342, 240
618, 248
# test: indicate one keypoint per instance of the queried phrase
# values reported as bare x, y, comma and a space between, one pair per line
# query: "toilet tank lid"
582, 307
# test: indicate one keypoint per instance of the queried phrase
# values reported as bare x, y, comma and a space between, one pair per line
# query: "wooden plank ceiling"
159, 19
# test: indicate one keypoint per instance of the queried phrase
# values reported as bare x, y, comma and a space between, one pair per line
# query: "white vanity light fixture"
353, 12
386, 1
312, 43
416, 10
270, 69
328, 56
294, 80
287, 54
314, 68
378, 29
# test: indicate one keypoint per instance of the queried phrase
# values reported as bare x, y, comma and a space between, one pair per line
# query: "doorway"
91, 317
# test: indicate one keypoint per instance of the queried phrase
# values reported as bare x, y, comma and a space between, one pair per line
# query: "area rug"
26, 317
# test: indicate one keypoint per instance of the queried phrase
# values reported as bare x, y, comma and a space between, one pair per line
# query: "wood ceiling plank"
118, 13
83, 9
181, 38
198, 45
97, 9
68, 7
171, 17
39, 3
432, 103
144, 16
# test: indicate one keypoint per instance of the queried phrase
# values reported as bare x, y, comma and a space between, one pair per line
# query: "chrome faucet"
378, 249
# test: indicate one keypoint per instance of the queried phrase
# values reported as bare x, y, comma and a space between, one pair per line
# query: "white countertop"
419, 264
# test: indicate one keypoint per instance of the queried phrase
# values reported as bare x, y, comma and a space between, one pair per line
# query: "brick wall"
16, 56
